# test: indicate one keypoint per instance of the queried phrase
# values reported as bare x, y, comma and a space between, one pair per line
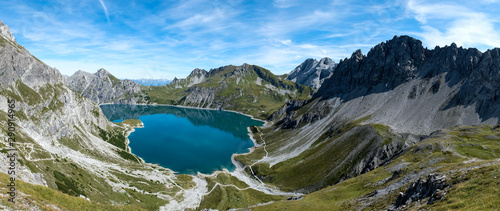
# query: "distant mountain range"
151, 82
402, 127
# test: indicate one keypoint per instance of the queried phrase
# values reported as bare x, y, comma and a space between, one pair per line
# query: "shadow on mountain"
402, 59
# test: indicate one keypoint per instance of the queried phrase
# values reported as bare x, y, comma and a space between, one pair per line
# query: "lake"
186, 140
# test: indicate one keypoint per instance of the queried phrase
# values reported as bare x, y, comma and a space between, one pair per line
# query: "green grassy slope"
66, 178
330, 159
249, 89
466, 156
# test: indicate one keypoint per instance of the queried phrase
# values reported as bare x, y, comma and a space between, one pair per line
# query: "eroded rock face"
410, 88
102, 87
431, 188
195, 77
5, 32
46, 109
313, 72
18, 64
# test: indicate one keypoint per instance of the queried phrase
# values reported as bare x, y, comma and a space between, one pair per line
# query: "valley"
402, 127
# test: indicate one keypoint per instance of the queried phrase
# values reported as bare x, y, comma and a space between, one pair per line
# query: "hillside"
402, 127
372, 110
249, 89
453, 169
69, 156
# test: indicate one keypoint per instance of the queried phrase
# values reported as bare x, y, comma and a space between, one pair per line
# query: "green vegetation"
474, 190
326, 162
44, 198
68, 185
113, 136
127, 155
234, 89
132, 122
65, 177
228, 193
473, 183
479, 142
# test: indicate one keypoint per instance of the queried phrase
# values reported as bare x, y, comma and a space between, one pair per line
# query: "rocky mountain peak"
5, 32
198, 72
101, 73
103, 87
312, 72
357, 55
326, 61
80, 73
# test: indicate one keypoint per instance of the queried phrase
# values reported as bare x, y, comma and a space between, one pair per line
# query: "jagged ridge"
312, 72
103, 87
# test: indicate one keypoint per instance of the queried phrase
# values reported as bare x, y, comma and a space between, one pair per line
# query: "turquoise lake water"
185, 140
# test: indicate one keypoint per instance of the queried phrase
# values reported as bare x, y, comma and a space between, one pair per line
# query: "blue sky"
167, 39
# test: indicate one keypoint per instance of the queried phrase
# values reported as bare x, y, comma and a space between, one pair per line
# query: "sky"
167, 39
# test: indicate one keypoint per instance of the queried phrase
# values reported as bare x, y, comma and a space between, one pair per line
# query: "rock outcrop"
413, 89
18, 64
47, 111
63, 140
5, 32
195, 77
431, 188
313, 72
399, 88
103, 87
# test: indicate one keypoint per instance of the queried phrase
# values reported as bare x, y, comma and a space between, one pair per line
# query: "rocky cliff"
64, 143
103, 87
374, 107
195, 77
412, 89
312, 72
5, 32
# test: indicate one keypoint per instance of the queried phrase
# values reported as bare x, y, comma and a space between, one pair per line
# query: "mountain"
195, 77
68, 155
451, 169
103, 87
373, 110
5, 32
151, 82
402, 127
247, 88
312, 72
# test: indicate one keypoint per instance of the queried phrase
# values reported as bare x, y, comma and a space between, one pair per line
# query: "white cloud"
105, 9
280, 26
286, 42
444, 23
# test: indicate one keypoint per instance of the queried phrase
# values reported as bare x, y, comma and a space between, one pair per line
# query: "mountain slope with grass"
69, 156
249, 89
403, 127
372, 110
452, 169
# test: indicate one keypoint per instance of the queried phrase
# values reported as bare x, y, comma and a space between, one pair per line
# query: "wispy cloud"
105, 9
170, 38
